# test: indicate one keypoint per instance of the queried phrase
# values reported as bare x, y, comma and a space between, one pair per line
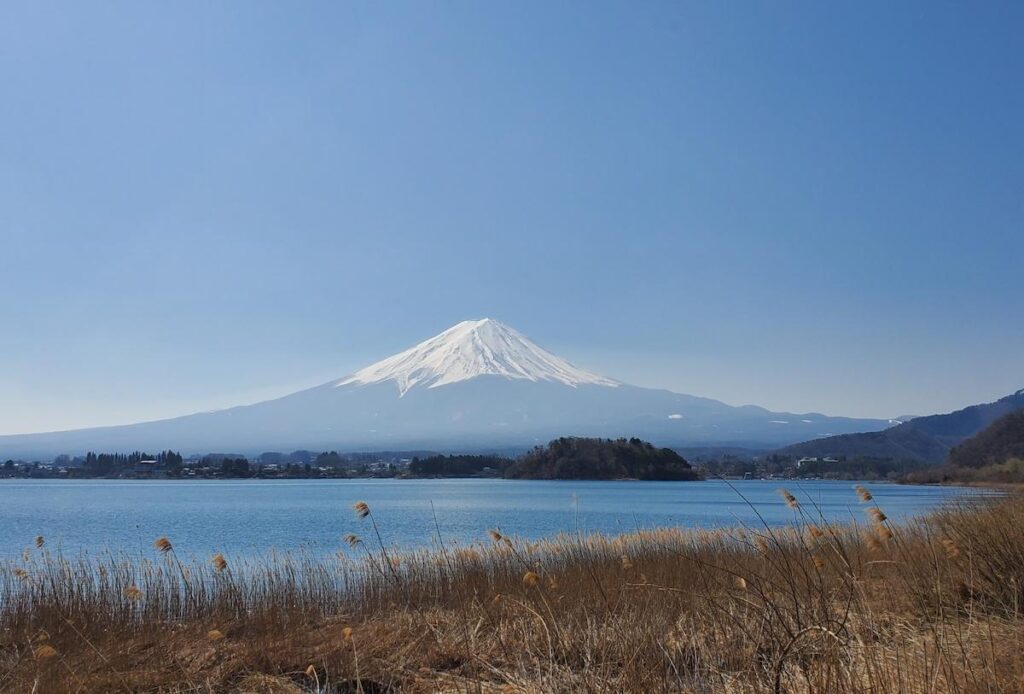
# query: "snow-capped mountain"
470, 349
478, 385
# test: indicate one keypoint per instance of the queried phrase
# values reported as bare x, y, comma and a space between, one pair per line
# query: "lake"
251, 517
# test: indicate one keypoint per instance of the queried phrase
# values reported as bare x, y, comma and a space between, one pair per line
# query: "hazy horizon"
802, 207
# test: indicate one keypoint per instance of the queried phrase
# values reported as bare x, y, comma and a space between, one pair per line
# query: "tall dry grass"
932, 606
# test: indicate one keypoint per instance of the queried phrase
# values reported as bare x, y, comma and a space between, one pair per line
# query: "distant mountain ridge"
928, 439
479, 385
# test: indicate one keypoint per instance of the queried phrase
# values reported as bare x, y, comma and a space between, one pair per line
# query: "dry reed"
928, 606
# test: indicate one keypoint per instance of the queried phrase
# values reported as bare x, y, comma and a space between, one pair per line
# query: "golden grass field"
932, 606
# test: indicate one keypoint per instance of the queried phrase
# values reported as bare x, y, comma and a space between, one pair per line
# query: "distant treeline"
458, 466
860, 468
563, 458
839, 468
103, 464
588, 458
171, 464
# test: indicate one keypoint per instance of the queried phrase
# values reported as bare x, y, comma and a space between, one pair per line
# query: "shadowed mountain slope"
927, 439
998, 443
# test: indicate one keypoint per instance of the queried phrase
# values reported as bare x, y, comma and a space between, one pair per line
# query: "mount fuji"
478, 385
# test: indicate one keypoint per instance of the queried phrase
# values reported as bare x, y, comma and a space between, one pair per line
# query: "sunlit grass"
929, 606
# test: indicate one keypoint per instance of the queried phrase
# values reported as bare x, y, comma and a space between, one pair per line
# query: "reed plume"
312, 674
790, 499
952, 550
44, 652
802, 608
876, 514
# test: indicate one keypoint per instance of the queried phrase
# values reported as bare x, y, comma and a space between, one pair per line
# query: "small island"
567, 458
601, 459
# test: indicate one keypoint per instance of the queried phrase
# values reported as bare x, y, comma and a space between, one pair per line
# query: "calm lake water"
254, 516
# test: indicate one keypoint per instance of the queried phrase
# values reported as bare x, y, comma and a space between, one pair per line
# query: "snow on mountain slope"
476, 386
469, 349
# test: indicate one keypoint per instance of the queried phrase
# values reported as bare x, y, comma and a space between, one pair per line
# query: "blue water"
250, 517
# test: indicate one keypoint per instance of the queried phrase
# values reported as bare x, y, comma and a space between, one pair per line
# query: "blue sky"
808, 206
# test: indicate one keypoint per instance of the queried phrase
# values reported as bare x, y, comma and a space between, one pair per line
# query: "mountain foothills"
480, 385
922, 439
993, 456
1003, 440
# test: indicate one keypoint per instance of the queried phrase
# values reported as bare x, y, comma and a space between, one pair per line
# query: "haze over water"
252, 517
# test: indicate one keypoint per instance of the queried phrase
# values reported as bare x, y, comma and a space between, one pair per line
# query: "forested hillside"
1000, 442
586, 458
924, 439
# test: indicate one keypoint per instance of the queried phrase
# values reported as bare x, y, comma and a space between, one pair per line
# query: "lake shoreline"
242, 517
622, 608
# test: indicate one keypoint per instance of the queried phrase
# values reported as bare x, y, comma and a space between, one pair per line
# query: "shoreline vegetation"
994, 455
565, 458
933, 605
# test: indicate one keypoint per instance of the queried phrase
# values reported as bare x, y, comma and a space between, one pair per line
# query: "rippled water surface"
253, 516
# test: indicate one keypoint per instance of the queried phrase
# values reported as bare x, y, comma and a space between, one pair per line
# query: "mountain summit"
478, 385
469, 349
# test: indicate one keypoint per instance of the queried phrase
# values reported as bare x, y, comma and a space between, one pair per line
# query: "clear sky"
809, 206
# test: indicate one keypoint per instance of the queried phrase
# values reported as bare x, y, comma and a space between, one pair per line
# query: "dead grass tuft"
930, 606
